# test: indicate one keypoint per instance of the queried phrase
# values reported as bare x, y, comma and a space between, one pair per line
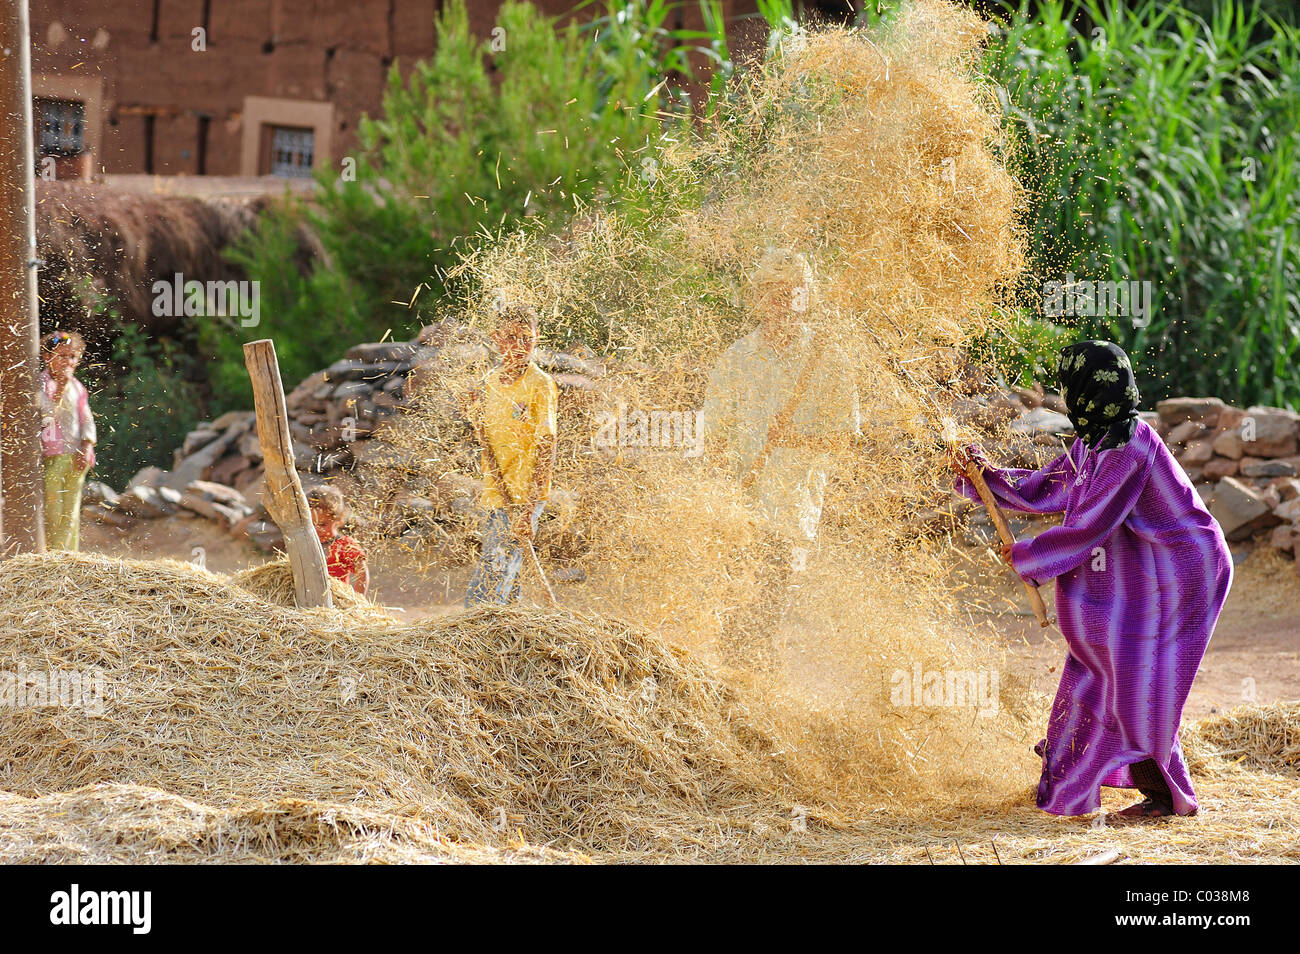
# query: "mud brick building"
231, 87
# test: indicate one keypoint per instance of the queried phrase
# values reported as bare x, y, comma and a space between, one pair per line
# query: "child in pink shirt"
67, 438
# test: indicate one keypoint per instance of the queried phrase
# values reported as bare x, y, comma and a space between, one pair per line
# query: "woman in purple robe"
1142, 571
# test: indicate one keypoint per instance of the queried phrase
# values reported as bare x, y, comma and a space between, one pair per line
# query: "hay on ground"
1264, 738
230, 731
569, 729
273, 582
130, 824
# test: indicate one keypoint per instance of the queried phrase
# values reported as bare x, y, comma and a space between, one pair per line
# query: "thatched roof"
123, 241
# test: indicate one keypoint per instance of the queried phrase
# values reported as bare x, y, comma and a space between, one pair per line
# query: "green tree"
144, 402
527, 124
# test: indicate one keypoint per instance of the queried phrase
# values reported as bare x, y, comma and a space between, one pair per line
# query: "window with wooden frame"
62, 127
288, 151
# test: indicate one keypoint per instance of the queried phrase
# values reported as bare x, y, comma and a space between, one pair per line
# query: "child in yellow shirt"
515, 418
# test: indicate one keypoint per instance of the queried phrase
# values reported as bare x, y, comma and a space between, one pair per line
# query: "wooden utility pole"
285, 498
22, 510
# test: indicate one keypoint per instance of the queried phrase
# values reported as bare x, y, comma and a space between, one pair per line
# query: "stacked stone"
1244, 464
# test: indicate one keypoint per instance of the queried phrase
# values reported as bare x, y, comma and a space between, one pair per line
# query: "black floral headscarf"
1100, 392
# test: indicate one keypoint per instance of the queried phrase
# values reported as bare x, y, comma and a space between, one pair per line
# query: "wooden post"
285, 497
22, 500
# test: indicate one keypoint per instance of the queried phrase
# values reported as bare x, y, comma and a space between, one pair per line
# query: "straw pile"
563, 727
273, 582
1264, 738
228, 733
129, 824
129, 241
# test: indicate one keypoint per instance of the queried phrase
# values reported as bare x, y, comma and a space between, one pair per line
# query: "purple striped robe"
1142, 571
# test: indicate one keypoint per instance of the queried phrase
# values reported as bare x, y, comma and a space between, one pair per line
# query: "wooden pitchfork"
975, 474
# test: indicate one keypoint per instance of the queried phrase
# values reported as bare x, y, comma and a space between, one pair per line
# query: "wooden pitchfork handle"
976, 476
541, 575
785, 417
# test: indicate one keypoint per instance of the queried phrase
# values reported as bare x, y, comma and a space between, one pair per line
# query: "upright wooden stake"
285, 497
22, 500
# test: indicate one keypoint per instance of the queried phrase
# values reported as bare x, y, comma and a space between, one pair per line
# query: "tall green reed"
1161, 146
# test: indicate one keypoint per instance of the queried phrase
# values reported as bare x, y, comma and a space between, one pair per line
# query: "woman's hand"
957, 460
85, 456
1005, 552
960, 457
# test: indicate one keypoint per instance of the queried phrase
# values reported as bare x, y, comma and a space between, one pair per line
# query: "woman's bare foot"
1147, 808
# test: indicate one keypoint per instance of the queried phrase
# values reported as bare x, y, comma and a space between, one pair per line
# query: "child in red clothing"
344, 558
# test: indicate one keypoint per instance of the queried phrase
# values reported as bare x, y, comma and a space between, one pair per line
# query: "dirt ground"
1253, 657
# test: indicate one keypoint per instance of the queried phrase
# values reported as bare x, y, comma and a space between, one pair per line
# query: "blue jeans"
496, 578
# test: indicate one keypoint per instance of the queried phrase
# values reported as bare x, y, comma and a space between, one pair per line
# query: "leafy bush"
144, 404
